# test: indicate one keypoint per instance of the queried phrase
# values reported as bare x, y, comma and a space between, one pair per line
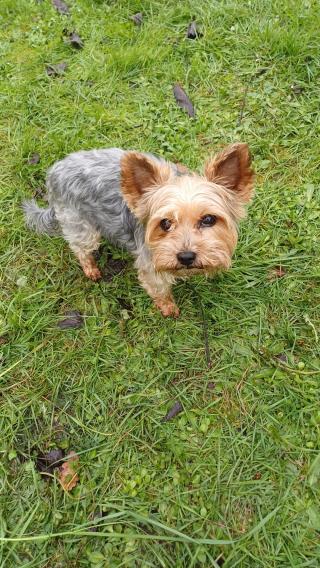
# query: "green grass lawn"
234, 479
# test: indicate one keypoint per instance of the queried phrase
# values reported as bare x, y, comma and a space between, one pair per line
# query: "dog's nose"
186, 258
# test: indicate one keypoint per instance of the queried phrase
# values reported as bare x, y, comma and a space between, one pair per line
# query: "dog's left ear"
139, 174
232, 169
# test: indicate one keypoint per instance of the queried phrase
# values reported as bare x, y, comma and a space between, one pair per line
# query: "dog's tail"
40, 220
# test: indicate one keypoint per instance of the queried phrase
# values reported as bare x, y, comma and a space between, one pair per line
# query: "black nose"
186, 258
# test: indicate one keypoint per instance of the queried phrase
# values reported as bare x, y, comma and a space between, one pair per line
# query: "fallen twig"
205, 336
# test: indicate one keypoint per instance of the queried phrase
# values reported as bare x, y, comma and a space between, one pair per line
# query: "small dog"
175, 223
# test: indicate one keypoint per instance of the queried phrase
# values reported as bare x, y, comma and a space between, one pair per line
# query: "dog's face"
190, 220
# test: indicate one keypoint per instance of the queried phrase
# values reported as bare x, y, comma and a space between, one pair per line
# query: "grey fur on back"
86, 185
88, 182
86, 202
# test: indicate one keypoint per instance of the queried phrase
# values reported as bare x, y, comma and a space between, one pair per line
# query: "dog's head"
190, 220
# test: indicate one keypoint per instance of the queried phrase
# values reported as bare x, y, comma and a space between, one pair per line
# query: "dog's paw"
168, 308
93, 273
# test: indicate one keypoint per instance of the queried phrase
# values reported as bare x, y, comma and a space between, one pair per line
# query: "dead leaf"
57, 69
137, 18
61, 7
74, 320
192, 31
40, 193
113, 268
183, 100
125, 304
276, 272
176, 409
261, 71
75, 40
3, 340
282, 357
34, 159
68, 476
94, 518
297, 89
49, 461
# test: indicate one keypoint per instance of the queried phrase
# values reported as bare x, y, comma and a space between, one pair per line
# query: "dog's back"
91, 177
84, 188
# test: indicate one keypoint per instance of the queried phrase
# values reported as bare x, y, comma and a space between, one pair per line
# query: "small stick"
205, 336
245, 94
243, 102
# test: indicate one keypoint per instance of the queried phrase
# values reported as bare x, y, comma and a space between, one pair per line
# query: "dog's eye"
165, 224
208, 221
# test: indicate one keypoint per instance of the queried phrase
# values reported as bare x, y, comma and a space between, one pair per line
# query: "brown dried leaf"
261, 71
125, 304
68, 476
137, 18
75, 40
113, 268
176, 409
282, 357
183, 100
40, 193
61, 7
49, 461
74, 320
192, 31
57, 69
34, 159
276, 272
297, 89
94, 518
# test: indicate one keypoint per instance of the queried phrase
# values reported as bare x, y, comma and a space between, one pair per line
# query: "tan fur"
138, 174
182, 168
232, 169
89, 267
186, 203
155, 193
158, 286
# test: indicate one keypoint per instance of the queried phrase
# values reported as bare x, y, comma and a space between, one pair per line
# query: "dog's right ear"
232, 169
139, 175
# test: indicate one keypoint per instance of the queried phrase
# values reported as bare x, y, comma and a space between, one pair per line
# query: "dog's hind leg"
83, 240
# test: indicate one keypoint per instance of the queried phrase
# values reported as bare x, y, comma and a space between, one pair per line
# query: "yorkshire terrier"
175, 223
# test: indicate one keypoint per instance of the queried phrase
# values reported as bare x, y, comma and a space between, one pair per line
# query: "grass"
234, 479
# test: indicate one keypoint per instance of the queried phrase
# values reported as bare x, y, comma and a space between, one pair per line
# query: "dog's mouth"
197, 267
191, 267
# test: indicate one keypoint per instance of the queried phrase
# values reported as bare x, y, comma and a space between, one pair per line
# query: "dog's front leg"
158, 287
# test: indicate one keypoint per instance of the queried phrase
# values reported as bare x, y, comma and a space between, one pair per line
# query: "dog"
175, 223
